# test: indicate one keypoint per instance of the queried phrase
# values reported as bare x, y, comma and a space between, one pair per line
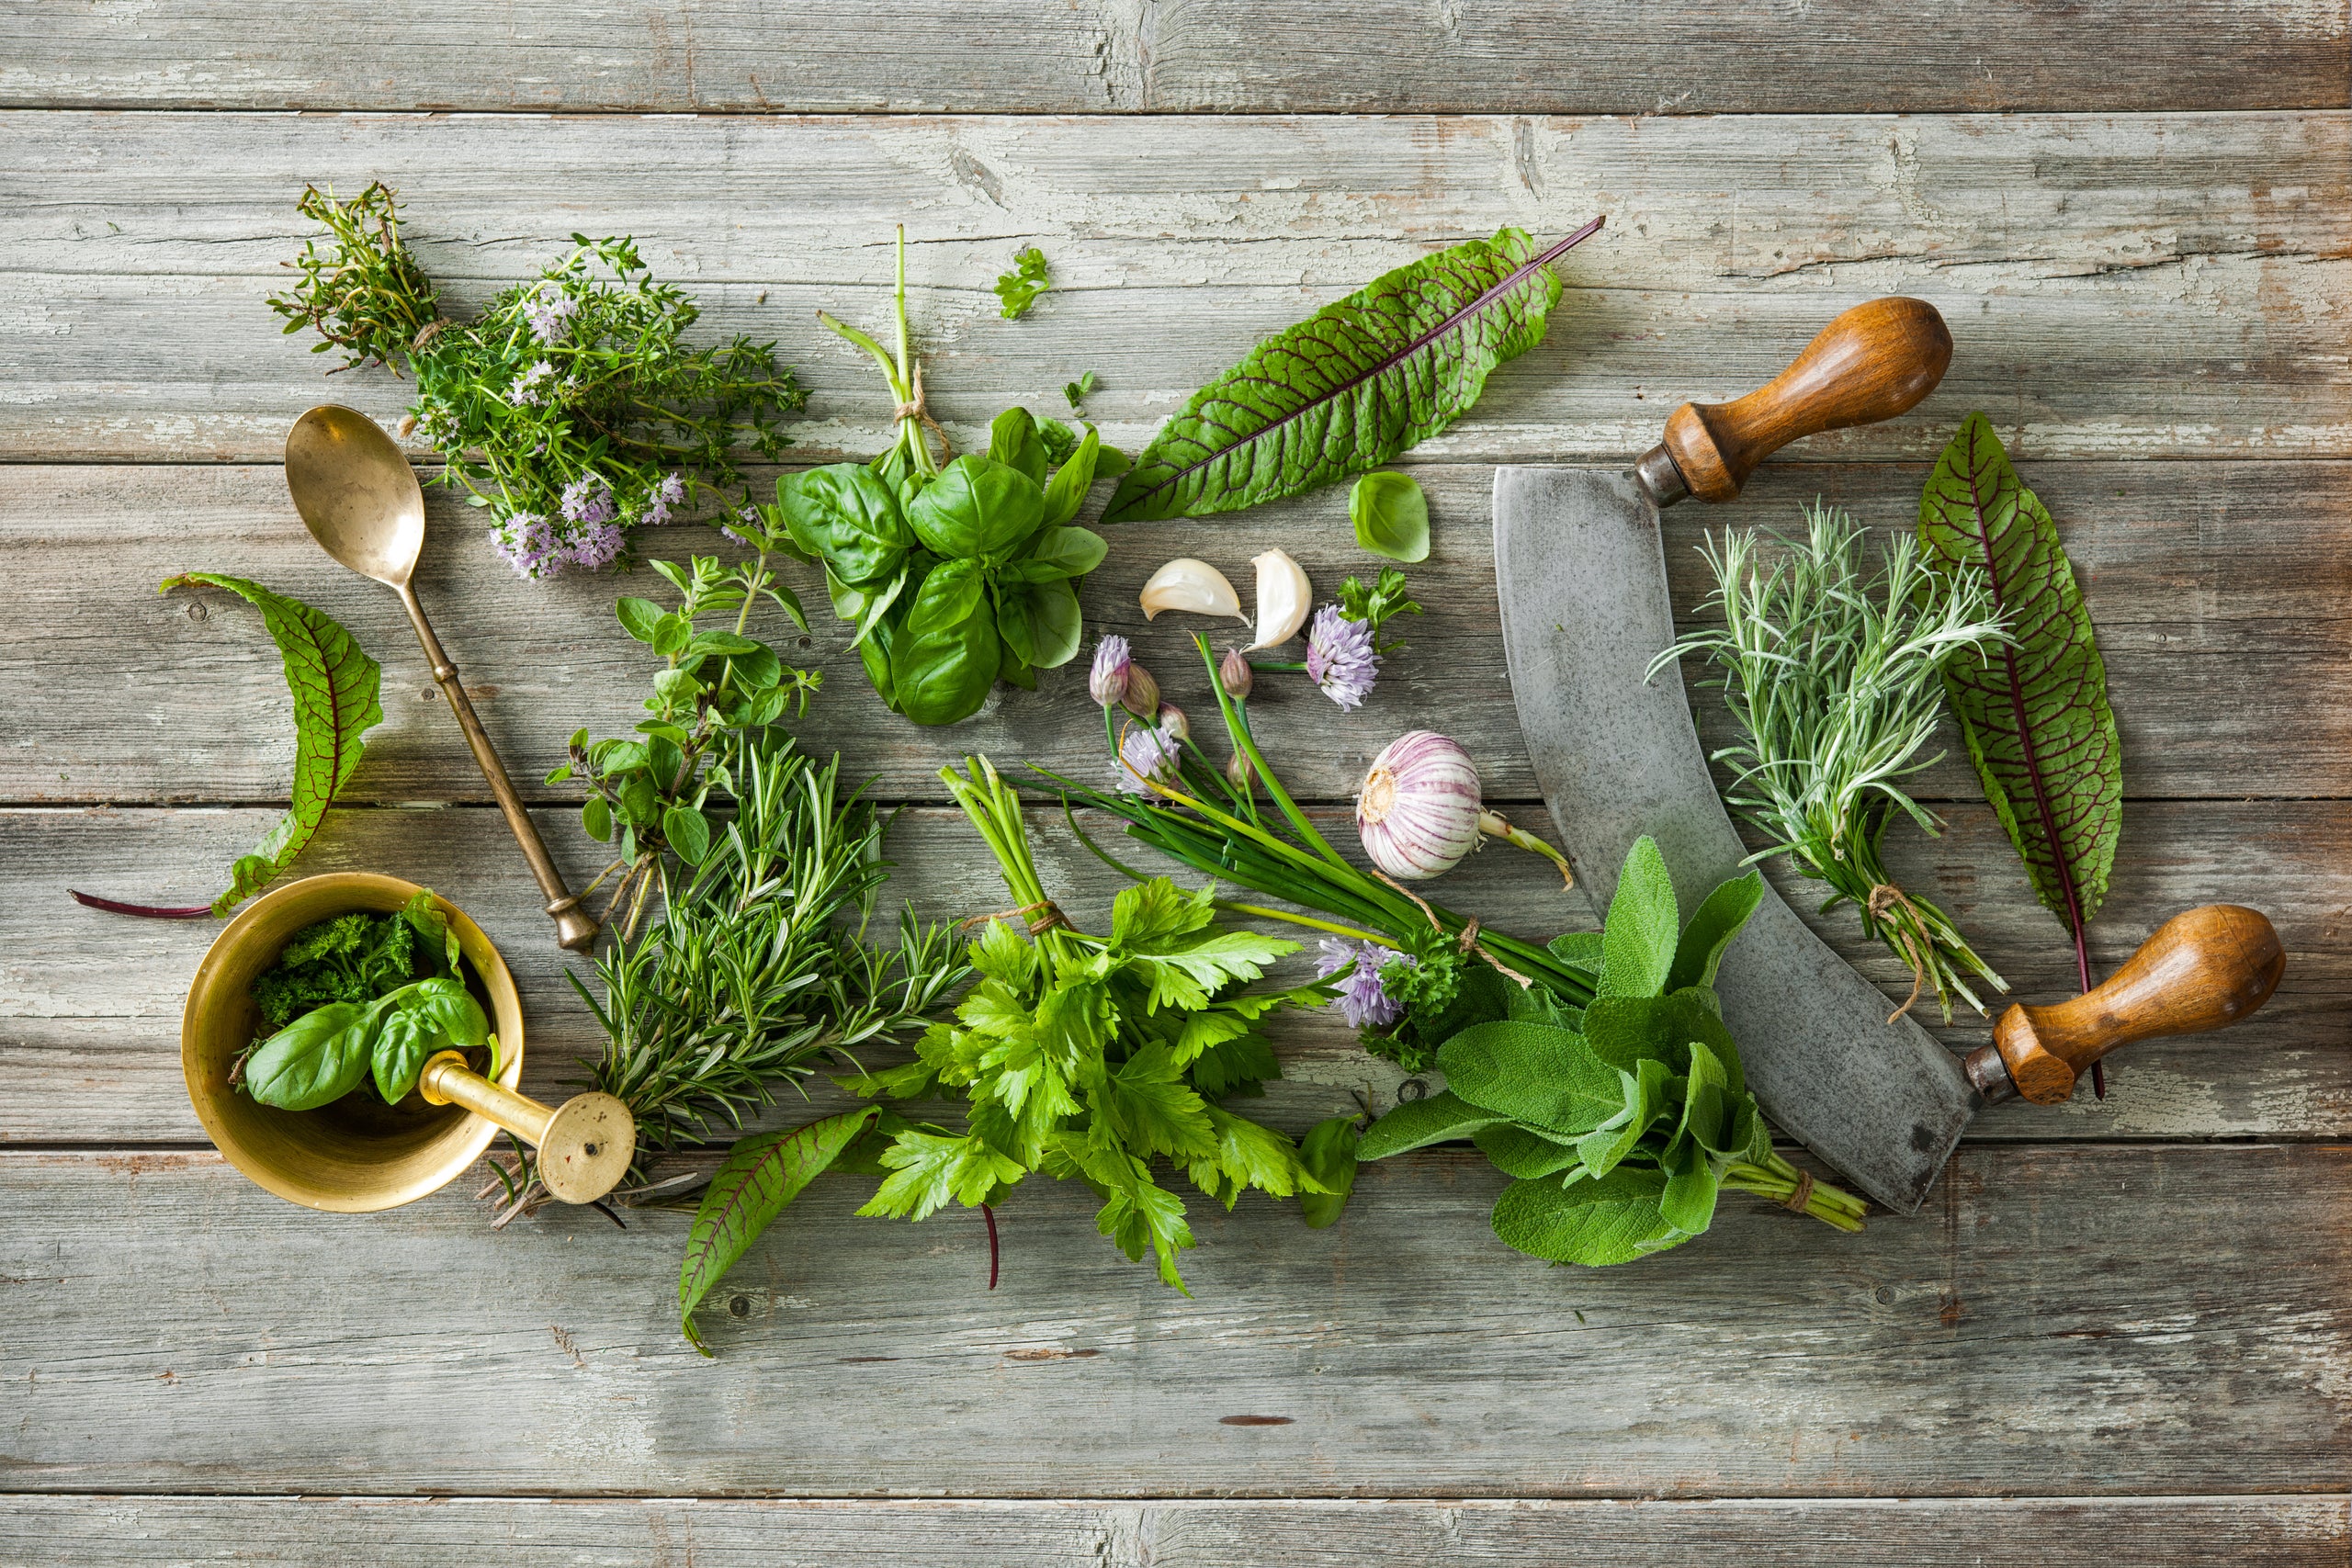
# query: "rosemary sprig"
1836, 681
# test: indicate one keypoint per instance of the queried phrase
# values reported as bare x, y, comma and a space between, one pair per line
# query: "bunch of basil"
956, 580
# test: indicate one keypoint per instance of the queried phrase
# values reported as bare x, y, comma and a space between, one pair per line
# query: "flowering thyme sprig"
571, 407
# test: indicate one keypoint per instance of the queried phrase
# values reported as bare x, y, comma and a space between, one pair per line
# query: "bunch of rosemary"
1836, 681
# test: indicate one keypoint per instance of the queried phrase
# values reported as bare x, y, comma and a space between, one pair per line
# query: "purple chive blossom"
1144, 752
1363, 1002
1339, 657
527, 390
1108, 682
527, 542
588, 501
550, 310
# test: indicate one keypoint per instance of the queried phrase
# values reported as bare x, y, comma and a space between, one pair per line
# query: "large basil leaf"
1055, 554
335, 687
1612, 1219
1067, 493
977, 506
761, 1175
1015, 441
431, 1015
845, 517
1353, 385
948, 597
941, 669
315, 1060
1040, 622
2035, 715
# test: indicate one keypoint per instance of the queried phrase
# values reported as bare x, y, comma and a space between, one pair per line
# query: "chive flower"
1339, 657
1363, 1001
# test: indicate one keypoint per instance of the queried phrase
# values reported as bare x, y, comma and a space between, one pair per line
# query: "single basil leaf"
877, 605
1615, 1219
1353, 386
1329, 1153
334, 686
1516, 1151
1414, 1124
874, 645
1644, 928
843, 514
761, 1175
1040, 623
1533, 1072
977, 506
404, 1044
688, 832
1015, 440
943, 675
315, 1060
1708, 934
1056, 554
1392, 516
1068, 491
948, 596
638, 617
1689, 1202
2035, 715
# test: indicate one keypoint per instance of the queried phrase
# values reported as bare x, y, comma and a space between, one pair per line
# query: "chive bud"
1237, 675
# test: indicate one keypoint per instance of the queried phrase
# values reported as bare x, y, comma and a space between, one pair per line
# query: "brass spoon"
360, 500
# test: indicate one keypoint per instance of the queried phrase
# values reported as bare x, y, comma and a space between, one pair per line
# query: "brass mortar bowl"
357, 1154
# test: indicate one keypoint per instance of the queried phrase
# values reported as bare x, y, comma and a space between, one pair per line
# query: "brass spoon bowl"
357, 1154
360, 500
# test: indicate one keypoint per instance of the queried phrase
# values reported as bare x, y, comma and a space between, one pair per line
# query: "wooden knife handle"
2204, 969
1874, 362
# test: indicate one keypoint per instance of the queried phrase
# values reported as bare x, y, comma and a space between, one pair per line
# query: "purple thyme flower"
1144, 752
1339, 657
550, 310
588, 501
598, 544
525, 390
667, 495
527, 542
1363, 1001
1108, 682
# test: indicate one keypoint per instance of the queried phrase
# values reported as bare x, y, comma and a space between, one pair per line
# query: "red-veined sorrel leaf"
1351, 386
761, 1175
334, 686
2035, 715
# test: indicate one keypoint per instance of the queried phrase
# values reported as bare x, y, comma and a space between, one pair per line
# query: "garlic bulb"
1192, 586
1420, 811
1284, 596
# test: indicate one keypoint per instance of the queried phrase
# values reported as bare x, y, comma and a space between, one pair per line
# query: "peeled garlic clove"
1192, 586
1283, 596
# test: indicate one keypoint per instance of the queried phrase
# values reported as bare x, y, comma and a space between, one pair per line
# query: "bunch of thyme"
1838, 683
571, 409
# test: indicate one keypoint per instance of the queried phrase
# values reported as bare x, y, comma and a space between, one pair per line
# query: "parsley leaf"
1019, 288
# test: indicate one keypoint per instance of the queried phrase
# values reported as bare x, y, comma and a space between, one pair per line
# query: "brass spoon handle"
576, 929
585, 1145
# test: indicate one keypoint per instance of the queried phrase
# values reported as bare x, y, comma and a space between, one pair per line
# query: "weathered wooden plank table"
2118, 1332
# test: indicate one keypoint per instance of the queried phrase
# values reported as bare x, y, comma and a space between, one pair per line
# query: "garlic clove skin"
1192, 586
1283, 598
1418, 811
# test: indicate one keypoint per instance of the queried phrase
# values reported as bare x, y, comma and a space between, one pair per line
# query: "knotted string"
1051, 917
1883, 898
1797, 1200
1469, 939
916, 409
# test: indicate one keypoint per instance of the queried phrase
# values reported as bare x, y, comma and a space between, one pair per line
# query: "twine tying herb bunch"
571, 407
1836, 681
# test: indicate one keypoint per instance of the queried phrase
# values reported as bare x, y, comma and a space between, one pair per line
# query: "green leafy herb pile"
355, 997
1837, 681
956, 574
571, 406
1622, 1122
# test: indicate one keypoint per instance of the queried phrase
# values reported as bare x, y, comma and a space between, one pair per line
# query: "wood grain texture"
1614, 56
2179, 1312
464, 1532
2217, 589
90, 1003
2062, 249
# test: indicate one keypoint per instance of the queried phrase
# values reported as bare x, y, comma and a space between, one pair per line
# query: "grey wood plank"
461, 1532
2214, 586
2064, 1322
2064, 248
1004, 56
90, 1003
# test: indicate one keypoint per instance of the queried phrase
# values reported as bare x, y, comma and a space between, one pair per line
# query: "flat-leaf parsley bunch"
571, 407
